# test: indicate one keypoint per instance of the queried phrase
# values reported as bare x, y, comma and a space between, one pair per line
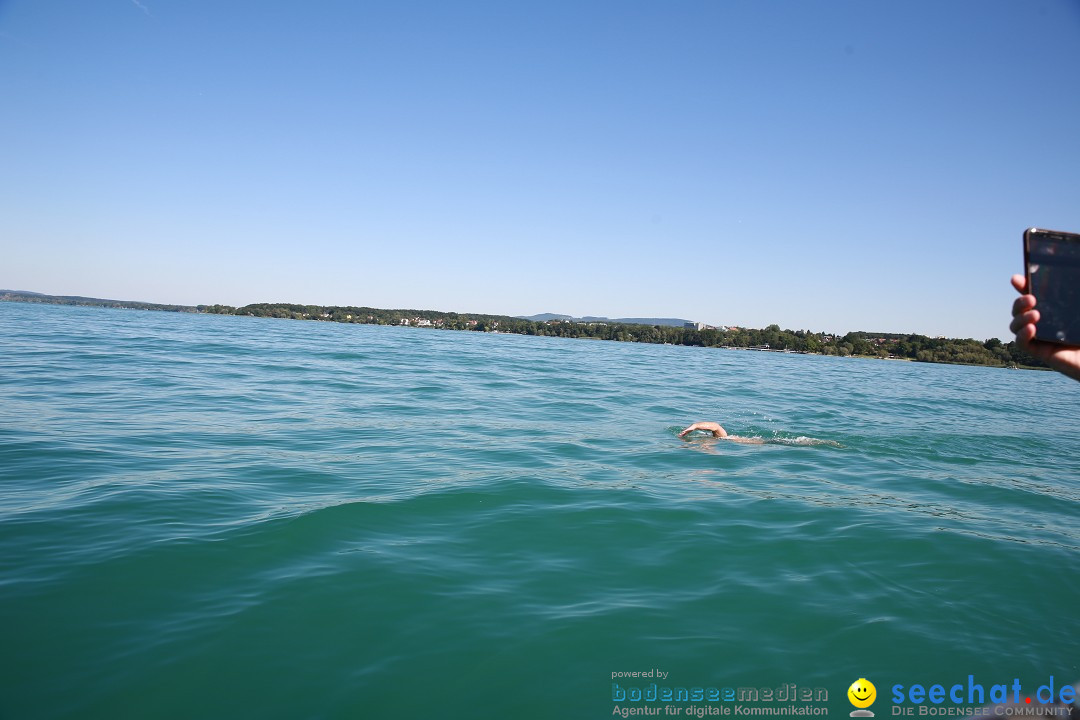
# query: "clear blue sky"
826, 165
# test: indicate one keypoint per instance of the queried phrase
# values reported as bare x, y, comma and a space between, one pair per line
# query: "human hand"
1063, 358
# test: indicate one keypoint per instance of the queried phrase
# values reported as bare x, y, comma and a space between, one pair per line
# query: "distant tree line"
918, 348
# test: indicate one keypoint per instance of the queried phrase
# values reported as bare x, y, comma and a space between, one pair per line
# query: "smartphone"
1052, 266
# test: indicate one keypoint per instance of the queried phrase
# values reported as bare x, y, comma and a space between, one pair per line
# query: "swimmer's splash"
714, 431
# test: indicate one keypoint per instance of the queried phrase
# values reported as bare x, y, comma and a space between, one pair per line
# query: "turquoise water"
209, 516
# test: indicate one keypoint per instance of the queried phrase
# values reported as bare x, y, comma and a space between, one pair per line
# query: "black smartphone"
1052, 266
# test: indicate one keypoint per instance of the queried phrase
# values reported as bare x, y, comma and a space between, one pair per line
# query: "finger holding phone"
1046, 316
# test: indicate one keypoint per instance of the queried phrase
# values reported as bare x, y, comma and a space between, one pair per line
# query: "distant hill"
544, 317
666, 322
34, 297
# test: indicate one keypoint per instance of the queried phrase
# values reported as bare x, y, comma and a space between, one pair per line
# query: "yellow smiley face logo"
862, 693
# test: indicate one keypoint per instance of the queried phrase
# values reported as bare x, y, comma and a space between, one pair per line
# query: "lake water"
221, 517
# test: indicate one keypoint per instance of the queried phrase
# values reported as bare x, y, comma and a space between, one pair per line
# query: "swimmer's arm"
712, 427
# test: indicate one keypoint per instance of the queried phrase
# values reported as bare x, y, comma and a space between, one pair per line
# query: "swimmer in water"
719, 432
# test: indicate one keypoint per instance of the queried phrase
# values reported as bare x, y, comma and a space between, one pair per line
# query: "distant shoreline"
884, 346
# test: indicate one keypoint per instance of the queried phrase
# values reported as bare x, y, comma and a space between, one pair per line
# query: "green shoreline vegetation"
918, 348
